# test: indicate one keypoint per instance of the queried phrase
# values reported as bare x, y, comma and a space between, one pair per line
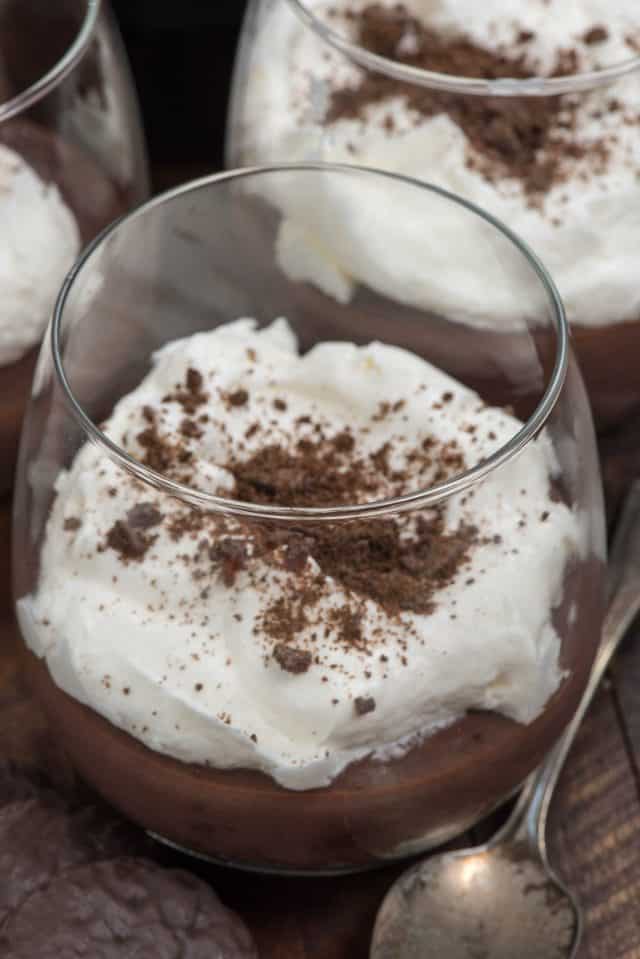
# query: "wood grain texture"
595, 833
626, 680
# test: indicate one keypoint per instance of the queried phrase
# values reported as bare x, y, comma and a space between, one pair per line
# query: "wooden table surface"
595, 824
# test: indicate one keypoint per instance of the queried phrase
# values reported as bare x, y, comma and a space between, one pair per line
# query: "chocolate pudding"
63, 200
562, 171
309, 696
371, 812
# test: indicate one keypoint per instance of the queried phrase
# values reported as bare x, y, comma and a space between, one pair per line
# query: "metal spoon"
503, 900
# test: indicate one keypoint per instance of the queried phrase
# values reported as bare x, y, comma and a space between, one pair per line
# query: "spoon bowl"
491, 903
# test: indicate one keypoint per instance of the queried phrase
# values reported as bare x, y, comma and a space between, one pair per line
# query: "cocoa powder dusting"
297, 553
288, 615
373, 559
348, 623
526, 138
398, 563
314, 475
399, 566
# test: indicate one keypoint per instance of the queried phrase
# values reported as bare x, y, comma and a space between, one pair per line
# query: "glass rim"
46, 83
242, 509
473, 86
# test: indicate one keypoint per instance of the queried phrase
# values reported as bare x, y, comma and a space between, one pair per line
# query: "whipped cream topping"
40, 241
539, 28
583, 225
188, 632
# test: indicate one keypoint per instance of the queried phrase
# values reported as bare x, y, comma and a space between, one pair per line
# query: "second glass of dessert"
529, 109
293, 597
71, 160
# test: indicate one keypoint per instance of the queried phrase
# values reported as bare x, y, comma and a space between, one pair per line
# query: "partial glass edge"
504, 87
239, 508
62, 68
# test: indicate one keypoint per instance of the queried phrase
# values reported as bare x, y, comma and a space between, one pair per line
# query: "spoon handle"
529, 817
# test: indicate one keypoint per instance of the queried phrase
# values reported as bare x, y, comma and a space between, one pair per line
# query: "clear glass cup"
72, 159
555, 155
287, 611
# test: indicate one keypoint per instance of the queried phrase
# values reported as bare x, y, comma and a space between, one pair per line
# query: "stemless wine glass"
72, 159
290, 602
450, 99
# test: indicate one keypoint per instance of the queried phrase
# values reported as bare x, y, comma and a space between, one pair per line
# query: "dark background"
181, 53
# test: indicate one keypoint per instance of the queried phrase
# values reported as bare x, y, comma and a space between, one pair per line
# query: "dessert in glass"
531, 110
71, 160
294, 599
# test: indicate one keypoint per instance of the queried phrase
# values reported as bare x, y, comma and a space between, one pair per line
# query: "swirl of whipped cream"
584, 226
40, 241
165, 621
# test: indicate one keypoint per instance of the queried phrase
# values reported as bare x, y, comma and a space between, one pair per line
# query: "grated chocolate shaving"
314, 475
144, 516
190, 428
526, 138
238, 398
192, 395
595, 35
128, 542
158, 453
231, 556
292, 660
364, 705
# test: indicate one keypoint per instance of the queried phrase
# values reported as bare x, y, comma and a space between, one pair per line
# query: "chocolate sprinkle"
144, 516
292, 660
596, 35
192, 395
315, 475
194, 381
526, 138
238, 398
158, 455
297, 553
364, 705
190, 429
130, 543
231, 555
375, 559
344, 442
